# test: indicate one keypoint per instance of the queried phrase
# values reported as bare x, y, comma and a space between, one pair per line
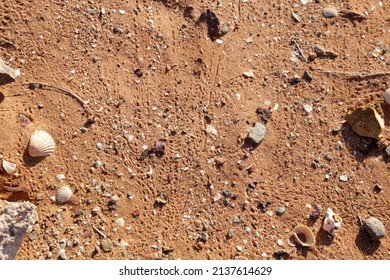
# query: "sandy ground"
193, 76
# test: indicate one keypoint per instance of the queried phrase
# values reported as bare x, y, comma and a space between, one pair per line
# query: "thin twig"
356, 75
5, 43
34, 85
101, 234
300, 51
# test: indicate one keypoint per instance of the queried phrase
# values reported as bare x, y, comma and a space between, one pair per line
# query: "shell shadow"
2, 97
324, 238
19, 196
360, 147
30, 161
5, 79
365, 244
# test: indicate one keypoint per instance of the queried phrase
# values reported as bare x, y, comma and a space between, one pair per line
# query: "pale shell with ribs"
41, 144
63, 194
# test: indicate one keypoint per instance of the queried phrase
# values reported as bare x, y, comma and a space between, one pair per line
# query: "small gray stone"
204, 236
106, 245
307, 76
224, 29
280, 211
375, 228
230, 234
257, 133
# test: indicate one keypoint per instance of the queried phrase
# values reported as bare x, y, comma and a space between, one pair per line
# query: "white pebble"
343, 178
60, 177
120, 222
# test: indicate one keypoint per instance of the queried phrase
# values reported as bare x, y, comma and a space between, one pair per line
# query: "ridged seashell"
304, 236
9, 167
63, 194
330, 12
387, 96
41, 144
332, 222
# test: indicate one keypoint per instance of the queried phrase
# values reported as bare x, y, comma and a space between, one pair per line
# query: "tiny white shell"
304, 236
332, 222
330, 12
41, 144
9, 167
387, 96
63, 194
120, 222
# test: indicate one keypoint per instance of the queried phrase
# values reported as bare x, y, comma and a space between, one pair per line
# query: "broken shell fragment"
332, 222
5, 69
304, 236
41, 144
63, 194
9, 167
366, 122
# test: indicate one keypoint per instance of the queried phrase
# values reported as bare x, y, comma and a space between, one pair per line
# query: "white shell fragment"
5, 69
63, 194
304, 236
41, 144
332, 222
9, 167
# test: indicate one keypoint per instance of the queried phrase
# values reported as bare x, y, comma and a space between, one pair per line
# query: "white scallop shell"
63, 194
9, 167
387, 96
304, 236
330, 12
41, 144
332, 222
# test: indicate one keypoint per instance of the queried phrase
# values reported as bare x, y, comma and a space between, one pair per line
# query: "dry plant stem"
300, 51
101, 234
55, 88
356, 75
5, 43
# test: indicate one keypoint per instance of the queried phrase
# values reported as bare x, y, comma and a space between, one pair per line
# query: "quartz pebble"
257, 133
343, 178
100, 146
248, 74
